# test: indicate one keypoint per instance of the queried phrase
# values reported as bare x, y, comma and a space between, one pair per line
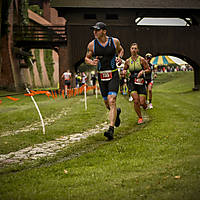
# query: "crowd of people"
81, 78
106, 53
135, 78
184, 67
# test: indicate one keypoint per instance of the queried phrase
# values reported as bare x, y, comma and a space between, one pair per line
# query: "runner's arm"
145, 65
119, 48
119, 51
88, 57
126, 66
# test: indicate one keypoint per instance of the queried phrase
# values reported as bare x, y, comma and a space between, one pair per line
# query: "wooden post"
196, 78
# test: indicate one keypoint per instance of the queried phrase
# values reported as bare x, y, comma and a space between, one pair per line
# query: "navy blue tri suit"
108, 75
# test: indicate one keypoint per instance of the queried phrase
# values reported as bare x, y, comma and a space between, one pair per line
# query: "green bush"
38, 63
48, 59
36, 9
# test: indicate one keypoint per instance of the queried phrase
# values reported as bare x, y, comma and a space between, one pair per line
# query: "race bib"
106, 76
139, 81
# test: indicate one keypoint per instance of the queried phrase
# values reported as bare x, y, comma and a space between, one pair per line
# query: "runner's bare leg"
150, 91
107, 104
143, 101
113, 109
136, 100
66, 90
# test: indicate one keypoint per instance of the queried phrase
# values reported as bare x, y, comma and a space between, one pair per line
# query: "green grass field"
157, 160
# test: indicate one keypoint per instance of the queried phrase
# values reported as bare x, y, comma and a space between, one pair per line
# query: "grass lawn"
157, 160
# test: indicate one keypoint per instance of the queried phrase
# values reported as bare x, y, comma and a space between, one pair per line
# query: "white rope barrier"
42, 121
43, 128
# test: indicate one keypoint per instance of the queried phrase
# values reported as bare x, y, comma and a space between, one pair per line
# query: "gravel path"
49, 148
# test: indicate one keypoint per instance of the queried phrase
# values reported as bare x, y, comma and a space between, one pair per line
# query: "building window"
90, 16
112, 16
150, 21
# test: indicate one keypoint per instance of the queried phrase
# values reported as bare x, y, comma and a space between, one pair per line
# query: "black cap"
99, 26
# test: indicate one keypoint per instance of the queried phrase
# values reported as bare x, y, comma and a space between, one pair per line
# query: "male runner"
137, 66
149, 76
67, 77
104, 52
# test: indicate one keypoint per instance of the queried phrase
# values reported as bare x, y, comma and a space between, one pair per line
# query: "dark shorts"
67, 82
109, 87
93, 82
122, 81
140, 89
149, 81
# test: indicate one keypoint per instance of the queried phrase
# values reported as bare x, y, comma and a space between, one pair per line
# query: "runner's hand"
124, 72
95, 61
118, 60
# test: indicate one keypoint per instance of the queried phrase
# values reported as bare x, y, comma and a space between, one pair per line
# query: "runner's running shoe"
118, 121
150, 106
109, 133
140, 121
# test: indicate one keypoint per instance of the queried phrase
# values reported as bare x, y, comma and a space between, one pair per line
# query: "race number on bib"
106, 76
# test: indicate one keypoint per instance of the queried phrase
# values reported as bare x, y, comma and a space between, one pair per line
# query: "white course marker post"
96, 91
85, 94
